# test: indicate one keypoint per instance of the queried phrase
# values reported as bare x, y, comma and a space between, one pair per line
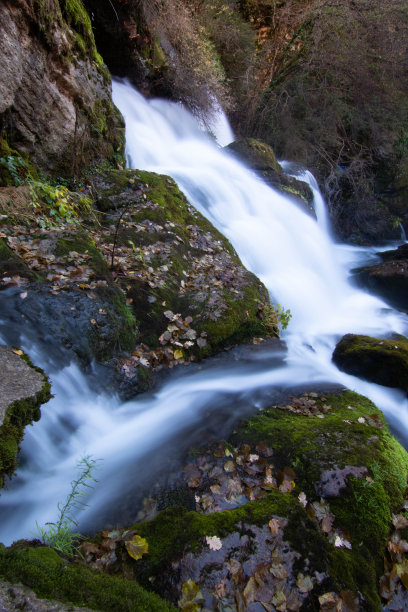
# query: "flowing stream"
304, 270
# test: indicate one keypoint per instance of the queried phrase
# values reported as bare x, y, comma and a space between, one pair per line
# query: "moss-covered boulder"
130, 271
261, 158
389, 279
23, 388
381, 361
302, 508
186, 285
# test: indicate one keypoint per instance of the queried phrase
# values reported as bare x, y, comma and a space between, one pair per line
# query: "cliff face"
55, 93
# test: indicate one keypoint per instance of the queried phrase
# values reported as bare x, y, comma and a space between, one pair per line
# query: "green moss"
256, 153
122, 326
52, 577
82, 243
175, 530
363, 509
15, 167
382, 361
78, 19
182, 236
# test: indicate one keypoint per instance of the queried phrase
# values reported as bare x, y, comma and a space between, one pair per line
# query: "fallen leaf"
137, 547
18, 351
402, 572
399, 521
302, 498
341, 542
275, 526
191, 597
304, 583
214, 542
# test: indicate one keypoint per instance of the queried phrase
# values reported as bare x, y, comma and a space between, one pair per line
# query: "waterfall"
303, 270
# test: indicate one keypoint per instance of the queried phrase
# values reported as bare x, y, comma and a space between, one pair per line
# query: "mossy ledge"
17, 416
51, 577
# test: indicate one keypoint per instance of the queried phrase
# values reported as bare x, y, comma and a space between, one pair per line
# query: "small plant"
58, 200
16, 167
61, 535
283, 316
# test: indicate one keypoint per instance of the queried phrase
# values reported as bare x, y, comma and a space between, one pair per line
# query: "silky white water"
303, 270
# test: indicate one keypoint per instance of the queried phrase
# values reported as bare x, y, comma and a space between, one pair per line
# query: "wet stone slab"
18, 380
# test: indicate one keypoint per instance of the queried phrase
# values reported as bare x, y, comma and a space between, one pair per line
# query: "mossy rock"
261, 158
177, 262
384, 362
51, 577
24, 389
342, 463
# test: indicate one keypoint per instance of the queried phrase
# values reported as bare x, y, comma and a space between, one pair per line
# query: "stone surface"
18, 380
19, 597
390, 278
261, 158
55, 95
384, 362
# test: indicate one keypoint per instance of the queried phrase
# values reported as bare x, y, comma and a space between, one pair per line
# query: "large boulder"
384, 362
55, 92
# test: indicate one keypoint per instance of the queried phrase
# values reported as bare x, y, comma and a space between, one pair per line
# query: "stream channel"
137, 441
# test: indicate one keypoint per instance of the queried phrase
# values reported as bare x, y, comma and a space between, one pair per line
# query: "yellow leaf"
137, 547
18, 352
191, 598
178, 354
402, 572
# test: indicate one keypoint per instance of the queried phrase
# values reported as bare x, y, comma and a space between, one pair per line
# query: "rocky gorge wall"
55, 92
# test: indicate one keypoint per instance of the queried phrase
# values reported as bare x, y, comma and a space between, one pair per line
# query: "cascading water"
303, 270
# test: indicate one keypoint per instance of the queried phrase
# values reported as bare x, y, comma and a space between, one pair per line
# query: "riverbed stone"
389, 279
261, 158
384, 362
23, 389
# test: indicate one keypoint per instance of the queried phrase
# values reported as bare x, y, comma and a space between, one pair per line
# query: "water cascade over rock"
301, 267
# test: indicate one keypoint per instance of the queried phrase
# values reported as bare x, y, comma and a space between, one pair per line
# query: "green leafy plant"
61, 535
283, 316
16, 167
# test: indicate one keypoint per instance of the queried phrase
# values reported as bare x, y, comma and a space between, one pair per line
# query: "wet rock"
384, 362
295, 504
19, 381
23, 389
260, 156
389, 279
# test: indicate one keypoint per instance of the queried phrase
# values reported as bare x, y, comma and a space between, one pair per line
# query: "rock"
262, 534
15, 597
55, 93
23, 389
384, 362
140, 280
261, 158
388, 279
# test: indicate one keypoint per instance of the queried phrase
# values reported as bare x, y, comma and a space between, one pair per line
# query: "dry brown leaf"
275, 526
